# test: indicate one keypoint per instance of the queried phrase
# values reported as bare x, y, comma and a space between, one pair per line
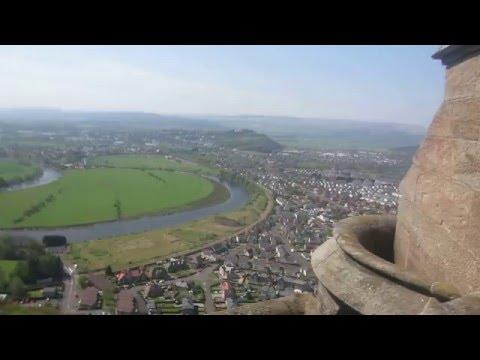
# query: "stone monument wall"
438, 227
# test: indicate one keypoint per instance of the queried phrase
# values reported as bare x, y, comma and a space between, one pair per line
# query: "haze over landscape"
192, 180
371, 83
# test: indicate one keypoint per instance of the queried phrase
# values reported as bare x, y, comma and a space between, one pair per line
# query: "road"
204, 278
68, 305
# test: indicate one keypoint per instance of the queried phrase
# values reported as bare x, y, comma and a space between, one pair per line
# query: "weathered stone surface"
298, 304
462, 80
438, 228
360, 288
467, 305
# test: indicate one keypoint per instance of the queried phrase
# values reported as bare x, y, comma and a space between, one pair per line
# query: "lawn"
8, 267
103, 194
137, 249
10, 171
14, 309
149, 161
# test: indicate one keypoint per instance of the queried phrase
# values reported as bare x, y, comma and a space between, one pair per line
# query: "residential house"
227, 290
157, 273
209, 255
248, 252
131, 276
219, 248
281, 252
101, 282
89, 298
181, 284
153, 290
126, 303
259, 278
293, 283
176, 264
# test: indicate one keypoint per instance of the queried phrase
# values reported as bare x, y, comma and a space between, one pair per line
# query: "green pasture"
102, 194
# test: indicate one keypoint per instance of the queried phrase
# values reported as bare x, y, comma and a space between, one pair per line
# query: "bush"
83, 281
17, 288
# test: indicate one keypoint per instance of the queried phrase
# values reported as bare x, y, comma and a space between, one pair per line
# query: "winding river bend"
238, 197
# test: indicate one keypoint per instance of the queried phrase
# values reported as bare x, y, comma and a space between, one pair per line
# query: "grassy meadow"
103, 194
148, 161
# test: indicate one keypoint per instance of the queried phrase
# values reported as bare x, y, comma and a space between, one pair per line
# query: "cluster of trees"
35, 208
33, 263
238, 179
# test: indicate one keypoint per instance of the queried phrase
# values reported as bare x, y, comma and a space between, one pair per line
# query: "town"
308, 190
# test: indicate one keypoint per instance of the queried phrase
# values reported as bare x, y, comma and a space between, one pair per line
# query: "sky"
401, 84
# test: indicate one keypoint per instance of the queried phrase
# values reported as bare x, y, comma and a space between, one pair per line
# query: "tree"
200, 262
17, 288
83, 281
108, 271
3, 281
22, 271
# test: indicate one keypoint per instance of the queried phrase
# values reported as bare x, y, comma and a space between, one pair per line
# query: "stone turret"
427, 260
438, 225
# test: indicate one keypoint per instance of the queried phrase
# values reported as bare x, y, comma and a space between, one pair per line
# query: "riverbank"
13, 173
131, 250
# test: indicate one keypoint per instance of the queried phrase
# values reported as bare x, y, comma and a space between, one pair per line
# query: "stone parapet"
439, 213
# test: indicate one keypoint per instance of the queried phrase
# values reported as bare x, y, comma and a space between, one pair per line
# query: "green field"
8, 267
12, 171
15, 309
128, 250
103, 194
147, 161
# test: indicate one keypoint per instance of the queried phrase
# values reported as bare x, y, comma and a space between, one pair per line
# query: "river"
48, 176
238, 197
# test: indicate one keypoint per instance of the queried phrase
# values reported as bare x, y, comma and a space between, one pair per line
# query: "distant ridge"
296, 132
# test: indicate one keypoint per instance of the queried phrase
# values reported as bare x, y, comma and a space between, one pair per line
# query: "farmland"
158, 162
103, 194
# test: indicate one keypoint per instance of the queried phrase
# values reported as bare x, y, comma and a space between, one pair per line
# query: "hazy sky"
376, 83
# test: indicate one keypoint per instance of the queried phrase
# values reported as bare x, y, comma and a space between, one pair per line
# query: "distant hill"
315, 133
246, 140
328, 133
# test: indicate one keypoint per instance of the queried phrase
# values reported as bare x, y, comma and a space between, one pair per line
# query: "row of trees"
35, 208
159, 178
